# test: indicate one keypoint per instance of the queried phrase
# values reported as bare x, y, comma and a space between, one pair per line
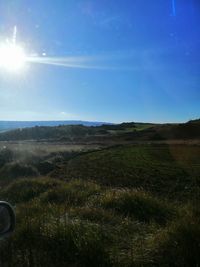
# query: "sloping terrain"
105, 133
126, 205
169, 171
9, 125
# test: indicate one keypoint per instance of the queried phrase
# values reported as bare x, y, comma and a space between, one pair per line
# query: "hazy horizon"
97, 121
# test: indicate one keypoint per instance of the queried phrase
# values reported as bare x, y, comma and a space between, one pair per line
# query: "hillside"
162, 170
9, 125
127, 205
116, 133
71, 132
102, 196
181, 131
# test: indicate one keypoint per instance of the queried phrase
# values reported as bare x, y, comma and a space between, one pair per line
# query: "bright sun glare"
12, 57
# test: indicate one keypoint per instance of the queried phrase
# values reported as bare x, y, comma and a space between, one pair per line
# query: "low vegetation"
137, 204
126, 205
112, 133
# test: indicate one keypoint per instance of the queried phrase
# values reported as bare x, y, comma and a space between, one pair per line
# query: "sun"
12, 57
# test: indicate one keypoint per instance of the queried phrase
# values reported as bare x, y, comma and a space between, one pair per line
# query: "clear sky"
130, 60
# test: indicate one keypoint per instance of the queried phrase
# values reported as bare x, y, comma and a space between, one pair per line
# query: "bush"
179, 244
41, 241
26, 189
93, 214
6, 155
45, 167
75, 192
137, 204
15, 170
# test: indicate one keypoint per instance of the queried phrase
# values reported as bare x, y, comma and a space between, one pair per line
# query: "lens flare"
12, 57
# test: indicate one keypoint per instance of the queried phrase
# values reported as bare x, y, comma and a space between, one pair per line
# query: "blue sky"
133, 60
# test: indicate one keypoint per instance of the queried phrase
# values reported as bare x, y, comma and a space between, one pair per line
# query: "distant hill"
194, 121
101, 133
75, 133
173, 131
10, 125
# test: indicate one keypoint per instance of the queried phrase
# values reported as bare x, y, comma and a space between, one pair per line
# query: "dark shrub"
179, 244
6, 155
45, 167
41, 241
75, 192
15, 170
138, 204
26, 189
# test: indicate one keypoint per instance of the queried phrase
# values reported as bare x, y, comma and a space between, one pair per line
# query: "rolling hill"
73, 205
9, 125
105, 133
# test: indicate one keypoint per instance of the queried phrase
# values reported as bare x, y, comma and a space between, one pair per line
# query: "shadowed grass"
137, 204
44, 239
24, 190
169, 171
91, 218
178, 244
75, 192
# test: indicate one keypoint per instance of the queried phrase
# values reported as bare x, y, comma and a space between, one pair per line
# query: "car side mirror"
7, 219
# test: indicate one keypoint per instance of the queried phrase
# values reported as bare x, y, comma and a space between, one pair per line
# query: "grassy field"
127, 205
164, 170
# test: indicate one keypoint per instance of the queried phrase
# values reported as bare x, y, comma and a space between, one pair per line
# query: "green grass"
76, 192
126, 206
44, 238
170, 171
138, 205
25, 190
178, 244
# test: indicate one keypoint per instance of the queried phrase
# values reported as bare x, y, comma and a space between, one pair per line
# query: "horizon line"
94, 121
